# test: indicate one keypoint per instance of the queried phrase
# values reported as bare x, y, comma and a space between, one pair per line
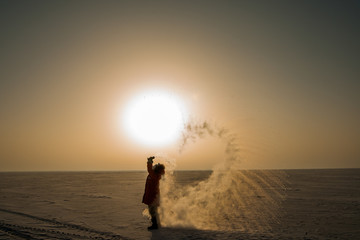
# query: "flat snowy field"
316, 204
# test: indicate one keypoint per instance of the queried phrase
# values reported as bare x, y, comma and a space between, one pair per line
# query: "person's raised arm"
150, 165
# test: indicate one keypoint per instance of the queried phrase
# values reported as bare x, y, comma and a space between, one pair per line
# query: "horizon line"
176, 170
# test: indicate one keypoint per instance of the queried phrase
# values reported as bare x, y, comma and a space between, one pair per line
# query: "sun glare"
154, 118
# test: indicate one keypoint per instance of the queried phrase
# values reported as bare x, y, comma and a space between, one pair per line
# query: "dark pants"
153, 210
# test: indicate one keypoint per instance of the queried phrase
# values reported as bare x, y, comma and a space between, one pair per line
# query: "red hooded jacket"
152, 190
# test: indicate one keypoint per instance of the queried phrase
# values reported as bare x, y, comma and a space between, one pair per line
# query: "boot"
154, 224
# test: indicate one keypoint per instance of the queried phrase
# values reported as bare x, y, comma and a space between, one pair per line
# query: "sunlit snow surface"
319, 204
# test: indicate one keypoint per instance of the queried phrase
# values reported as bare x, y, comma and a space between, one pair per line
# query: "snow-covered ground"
317, 204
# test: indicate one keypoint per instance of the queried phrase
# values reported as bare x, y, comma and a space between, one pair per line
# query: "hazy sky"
282, 75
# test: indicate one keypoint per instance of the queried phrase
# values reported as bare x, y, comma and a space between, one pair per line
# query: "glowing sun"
154, 118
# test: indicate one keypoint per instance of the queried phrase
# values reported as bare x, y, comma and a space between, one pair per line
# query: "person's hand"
150, 159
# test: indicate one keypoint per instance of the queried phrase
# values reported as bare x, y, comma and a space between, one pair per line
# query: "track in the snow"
54, 229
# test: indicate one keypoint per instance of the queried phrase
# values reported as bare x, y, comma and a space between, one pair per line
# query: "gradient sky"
282, 75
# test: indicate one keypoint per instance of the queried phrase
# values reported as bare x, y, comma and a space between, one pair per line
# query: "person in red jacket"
152, 191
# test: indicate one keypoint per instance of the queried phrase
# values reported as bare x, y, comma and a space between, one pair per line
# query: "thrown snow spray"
229, 199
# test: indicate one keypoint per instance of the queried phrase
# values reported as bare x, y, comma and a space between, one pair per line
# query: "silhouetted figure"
152, 191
